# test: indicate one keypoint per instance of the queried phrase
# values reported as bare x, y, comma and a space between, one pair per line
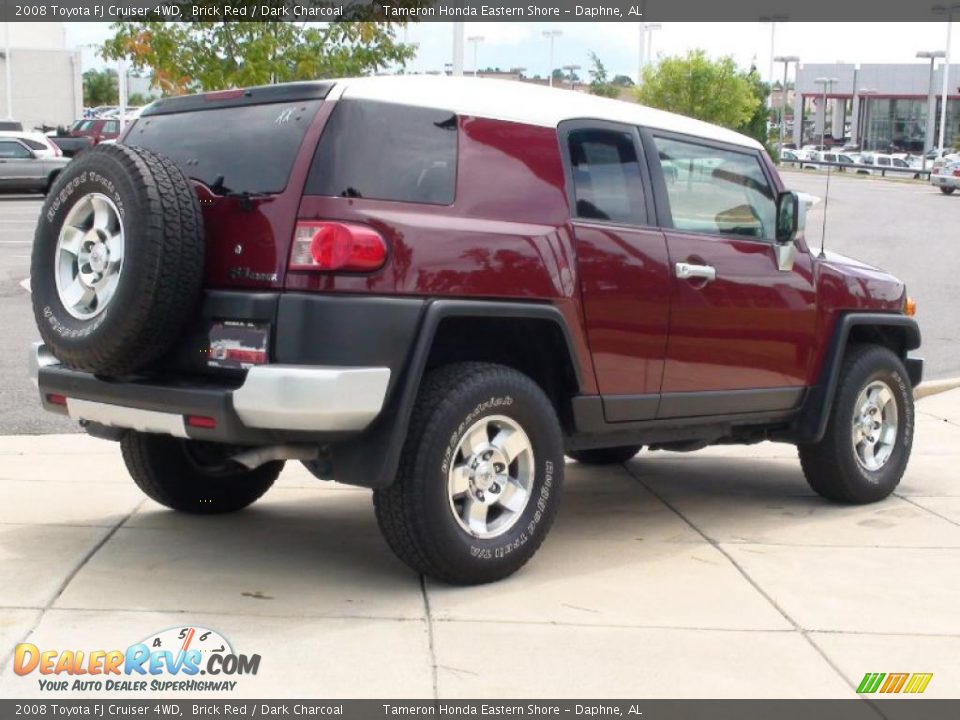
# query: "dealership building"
45, 80
878, 107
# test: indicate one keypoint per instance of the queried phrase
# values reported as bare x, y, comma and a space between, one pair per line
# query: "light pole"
931, 100
457, 64
651, 28
570, 70
476, 40
865, 93
786, 60
827, 83
7, 65
551, 35
773, 20
948, 11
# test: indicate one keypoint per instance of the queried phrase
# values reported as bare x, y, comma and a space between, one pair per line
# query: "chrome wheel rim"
875, 423
89, 256
490, 481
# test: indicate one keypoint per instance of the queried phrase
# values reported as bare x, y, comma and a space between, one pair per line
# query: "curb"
935, 387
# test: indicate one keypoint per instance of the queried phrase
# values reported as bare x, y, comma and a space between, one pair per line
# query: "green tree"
623, 81
100, 87
138, 99
696, 86
598, 79
756, 125
194, 56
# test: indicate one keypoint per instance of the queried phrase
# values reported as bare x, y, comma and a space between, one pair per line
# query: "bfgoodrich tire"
117, 260
191, 476
480, 475
867, 444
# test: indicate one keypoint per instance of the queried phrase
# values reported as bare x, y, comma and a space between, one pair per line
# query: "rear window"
233, 149
387, 151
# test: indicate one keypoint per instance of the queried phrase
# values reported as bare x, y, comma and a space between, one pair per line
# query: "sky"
521, 44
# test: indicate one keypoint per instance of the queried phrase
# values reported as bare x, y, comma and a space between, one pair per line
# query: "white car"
947, 176
42, 146
886, 165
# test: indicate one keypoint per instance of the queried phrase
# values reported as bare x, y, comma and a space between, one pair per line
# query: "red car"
97, 129
437, 288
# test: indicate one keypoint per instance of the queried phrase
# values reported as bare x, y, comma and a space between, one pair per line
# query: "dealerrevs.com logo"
171, 660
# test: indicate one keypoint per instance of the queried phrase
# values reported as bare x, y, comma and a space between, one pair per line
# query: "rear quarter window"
237, 149
386, 151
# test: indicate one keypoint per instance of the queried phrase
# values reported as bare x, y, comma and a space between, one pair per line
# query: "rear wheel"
869, 435
605, 456
480, 475
947, 190
193, 476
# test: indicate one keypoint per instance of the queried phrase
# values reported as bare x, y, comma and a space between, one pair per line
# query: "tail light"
337, 247
956, 173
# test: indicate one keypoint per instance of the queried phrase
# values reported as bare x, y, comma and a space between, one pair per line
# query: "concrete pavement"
712, 574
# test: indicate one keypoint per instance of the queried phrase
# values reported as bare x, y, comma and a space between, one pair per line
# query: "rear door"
622, 259
742, 330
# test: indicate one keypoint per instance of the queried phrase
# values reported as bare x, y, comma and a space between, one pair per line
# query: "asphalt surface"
907, 228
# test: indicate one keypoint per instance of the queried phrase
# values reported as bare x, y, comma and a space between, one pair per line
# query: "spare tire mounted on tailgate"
117, 262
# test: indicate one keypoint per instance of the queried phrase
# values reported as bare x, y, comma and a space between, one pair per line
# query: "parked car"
24, 170
41, 145
96, 129
71, 146
885, 165
11, 126
437, 288
947, 177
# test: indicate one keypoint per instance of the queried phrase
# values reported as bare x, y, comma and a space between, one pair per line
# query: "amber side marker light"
910, 307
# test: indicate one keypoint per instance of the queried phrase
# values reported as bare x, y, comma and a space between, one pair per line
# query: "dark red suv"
437, 288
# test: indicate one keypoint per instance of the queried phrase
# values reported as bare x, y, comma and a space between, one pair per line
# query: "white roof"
523, 103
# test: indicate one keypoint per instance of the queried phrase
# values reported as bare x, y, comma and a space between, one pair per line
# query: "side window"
606, 176
883, 161
111, 126
717, 191
33, 144
386, 151
13, 150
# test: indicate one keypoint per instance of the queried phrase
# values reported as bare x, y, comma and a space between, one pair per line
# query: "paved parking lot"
713, 574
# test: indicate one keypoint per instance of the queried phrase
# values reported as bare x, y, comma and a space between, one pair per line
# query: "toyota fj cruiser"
437, 288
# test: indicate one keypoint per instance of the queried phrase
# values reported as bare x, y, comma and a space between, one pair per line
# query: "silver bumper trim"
274, 397
297, 397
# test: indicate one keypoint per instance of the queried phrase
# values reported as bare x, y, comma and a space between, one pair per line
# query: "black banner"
903, 709
470, 10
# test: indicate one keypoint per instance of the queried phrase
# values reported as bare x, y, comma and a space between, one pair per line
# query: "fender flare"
371, 459
812, 423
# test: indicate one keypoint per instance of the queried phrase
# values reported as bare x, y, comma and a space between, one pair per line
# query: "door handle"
686, 271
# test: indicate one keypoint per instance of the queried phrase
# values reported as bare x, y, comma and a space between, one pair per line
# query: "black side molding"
812, 423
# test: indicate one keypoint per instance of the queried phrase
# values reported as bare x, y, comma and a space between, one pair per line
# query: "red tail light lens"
202, 421
336, 246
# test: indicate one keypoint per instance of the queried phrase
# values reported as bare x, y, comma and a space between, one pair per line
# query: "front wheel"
867, 443
947, 190
480, 475
193, 476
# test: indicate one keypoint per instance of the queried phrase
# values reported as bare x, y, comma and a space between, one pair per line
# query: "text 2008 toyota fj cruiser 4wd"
438, 287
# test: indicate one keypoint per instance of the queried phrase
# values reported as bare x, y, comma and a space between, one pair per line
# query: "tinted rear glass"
252, 148
387, 152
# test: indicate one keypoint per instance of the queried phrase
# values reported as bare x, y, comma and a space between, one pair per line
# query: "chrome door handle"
686, 271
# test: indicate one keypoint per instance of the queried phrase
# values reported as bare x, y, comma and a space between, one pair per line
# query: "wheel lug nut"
480, 495
494, 488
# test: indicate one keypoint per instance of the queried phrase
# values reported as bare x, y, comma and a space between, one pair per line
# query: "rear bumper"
273, 403
945, 181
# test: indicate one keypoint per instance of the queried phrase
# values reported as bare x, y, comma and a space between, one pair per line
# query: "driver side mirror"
789, 211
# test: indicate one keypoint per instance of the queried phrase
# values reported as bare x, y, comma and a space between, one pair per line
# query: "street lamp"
866, 93
827, 83
570, 70
932, 55
476, 40
773, 20
650, 28
551, 35
7, 68
948, 11
786, 60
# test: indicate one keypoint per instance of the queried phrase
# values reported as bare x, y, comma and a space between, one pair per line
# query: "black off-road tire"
831, 466
161, 272
947, 190
188, 476
415, 514
605, 456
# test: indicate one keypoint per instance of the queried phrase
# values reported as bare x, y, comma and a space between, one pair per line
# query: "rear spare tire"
117, 263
